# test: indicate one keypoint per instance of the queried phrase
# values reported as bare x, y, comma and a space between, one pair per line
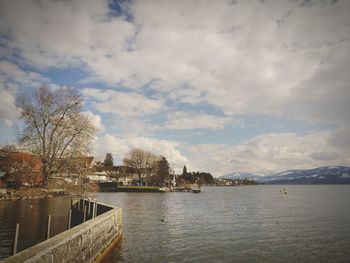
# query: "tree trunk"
139, 179
46, 173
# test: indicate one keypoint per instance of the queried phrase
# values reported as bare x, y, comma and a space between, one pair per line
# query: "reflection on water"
226, 224
32, 217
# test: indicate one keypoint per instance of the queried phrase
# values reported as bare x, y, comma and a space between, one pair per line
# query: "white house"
98, 177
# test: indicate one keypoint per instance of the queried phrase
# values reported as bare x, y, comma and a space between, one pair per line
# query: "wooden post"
95, 208
89, 204
48, 227
69, 218
85, 210
15, 241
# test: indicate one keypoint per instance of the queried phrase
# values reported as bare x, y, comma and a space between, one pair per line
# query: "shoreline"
36, 193
40, 193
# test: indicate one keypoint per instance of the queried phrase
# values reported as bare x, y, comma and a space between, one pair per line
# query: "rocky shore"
30, 193
49, 192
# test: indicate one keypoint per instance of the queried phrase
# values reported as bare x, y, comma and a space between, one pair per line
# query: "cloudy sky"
220, 86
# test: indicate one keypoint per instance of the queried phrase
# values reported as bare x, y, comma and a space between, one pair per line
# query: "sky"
218, 86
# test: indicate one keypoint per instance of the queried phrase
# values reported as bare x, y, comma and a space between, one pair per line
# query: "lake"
221, 224
235, 224
32, 217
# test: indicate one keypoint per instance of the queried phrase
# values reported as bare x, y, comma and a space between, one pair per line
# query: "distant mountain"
241, 176
321, 175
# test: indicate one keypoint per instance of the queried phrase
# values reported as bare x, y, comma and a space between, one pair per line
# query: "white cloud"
12, 80
324, 156
340, 138
121, 146
8, 110
134, 126
248, 56
268, 57
191, 120
124, 104
12, 73
62, 33
95, 120
269, 153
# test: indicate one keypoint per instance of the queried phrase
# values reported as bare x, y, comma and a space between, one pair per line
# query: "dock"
187, 189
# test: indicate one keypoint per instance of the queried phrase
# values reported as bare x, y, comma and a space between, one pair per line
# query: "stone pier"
86, 242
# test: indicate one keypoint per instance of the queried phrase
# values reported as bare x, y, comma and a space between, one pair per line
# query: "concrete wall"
87, 242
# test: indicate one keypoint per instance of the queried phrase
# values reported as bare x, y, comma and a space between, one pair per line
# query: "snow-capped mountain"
321, 175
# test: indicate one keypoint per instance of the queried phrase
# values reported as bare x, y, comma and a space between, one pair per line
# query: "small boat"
196, 191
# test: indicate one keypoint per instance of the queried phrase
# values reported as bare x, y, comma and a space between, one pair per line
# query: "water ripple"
250, 224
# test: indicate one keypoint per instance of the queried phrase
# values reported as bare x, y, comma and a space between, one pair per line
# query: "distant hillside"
241, 176
321, 175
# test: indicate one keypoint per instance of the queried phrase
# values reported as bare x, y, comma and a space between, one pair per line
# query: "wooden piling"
89, 204
85, 211
48, 227
69, 218
15, 241
95, 208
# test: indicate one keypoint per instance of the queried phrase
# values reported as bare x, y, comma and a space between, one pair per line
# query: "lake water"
221, 224
32, 217
228, 224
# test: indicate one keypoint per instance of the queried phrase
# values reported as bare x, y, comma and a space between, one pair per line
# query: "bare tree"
6, 150
54, 127
141, 161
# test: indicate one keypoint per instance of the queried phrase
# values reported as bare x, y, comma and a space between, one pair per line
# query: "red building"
23, 169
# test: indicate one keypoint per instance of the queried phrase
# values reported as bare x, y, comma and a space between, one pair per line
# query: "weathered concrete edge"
98, 258
42, 251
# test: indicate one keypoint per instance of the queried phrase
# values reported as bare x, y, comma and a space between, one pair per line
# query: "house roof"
35, 161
